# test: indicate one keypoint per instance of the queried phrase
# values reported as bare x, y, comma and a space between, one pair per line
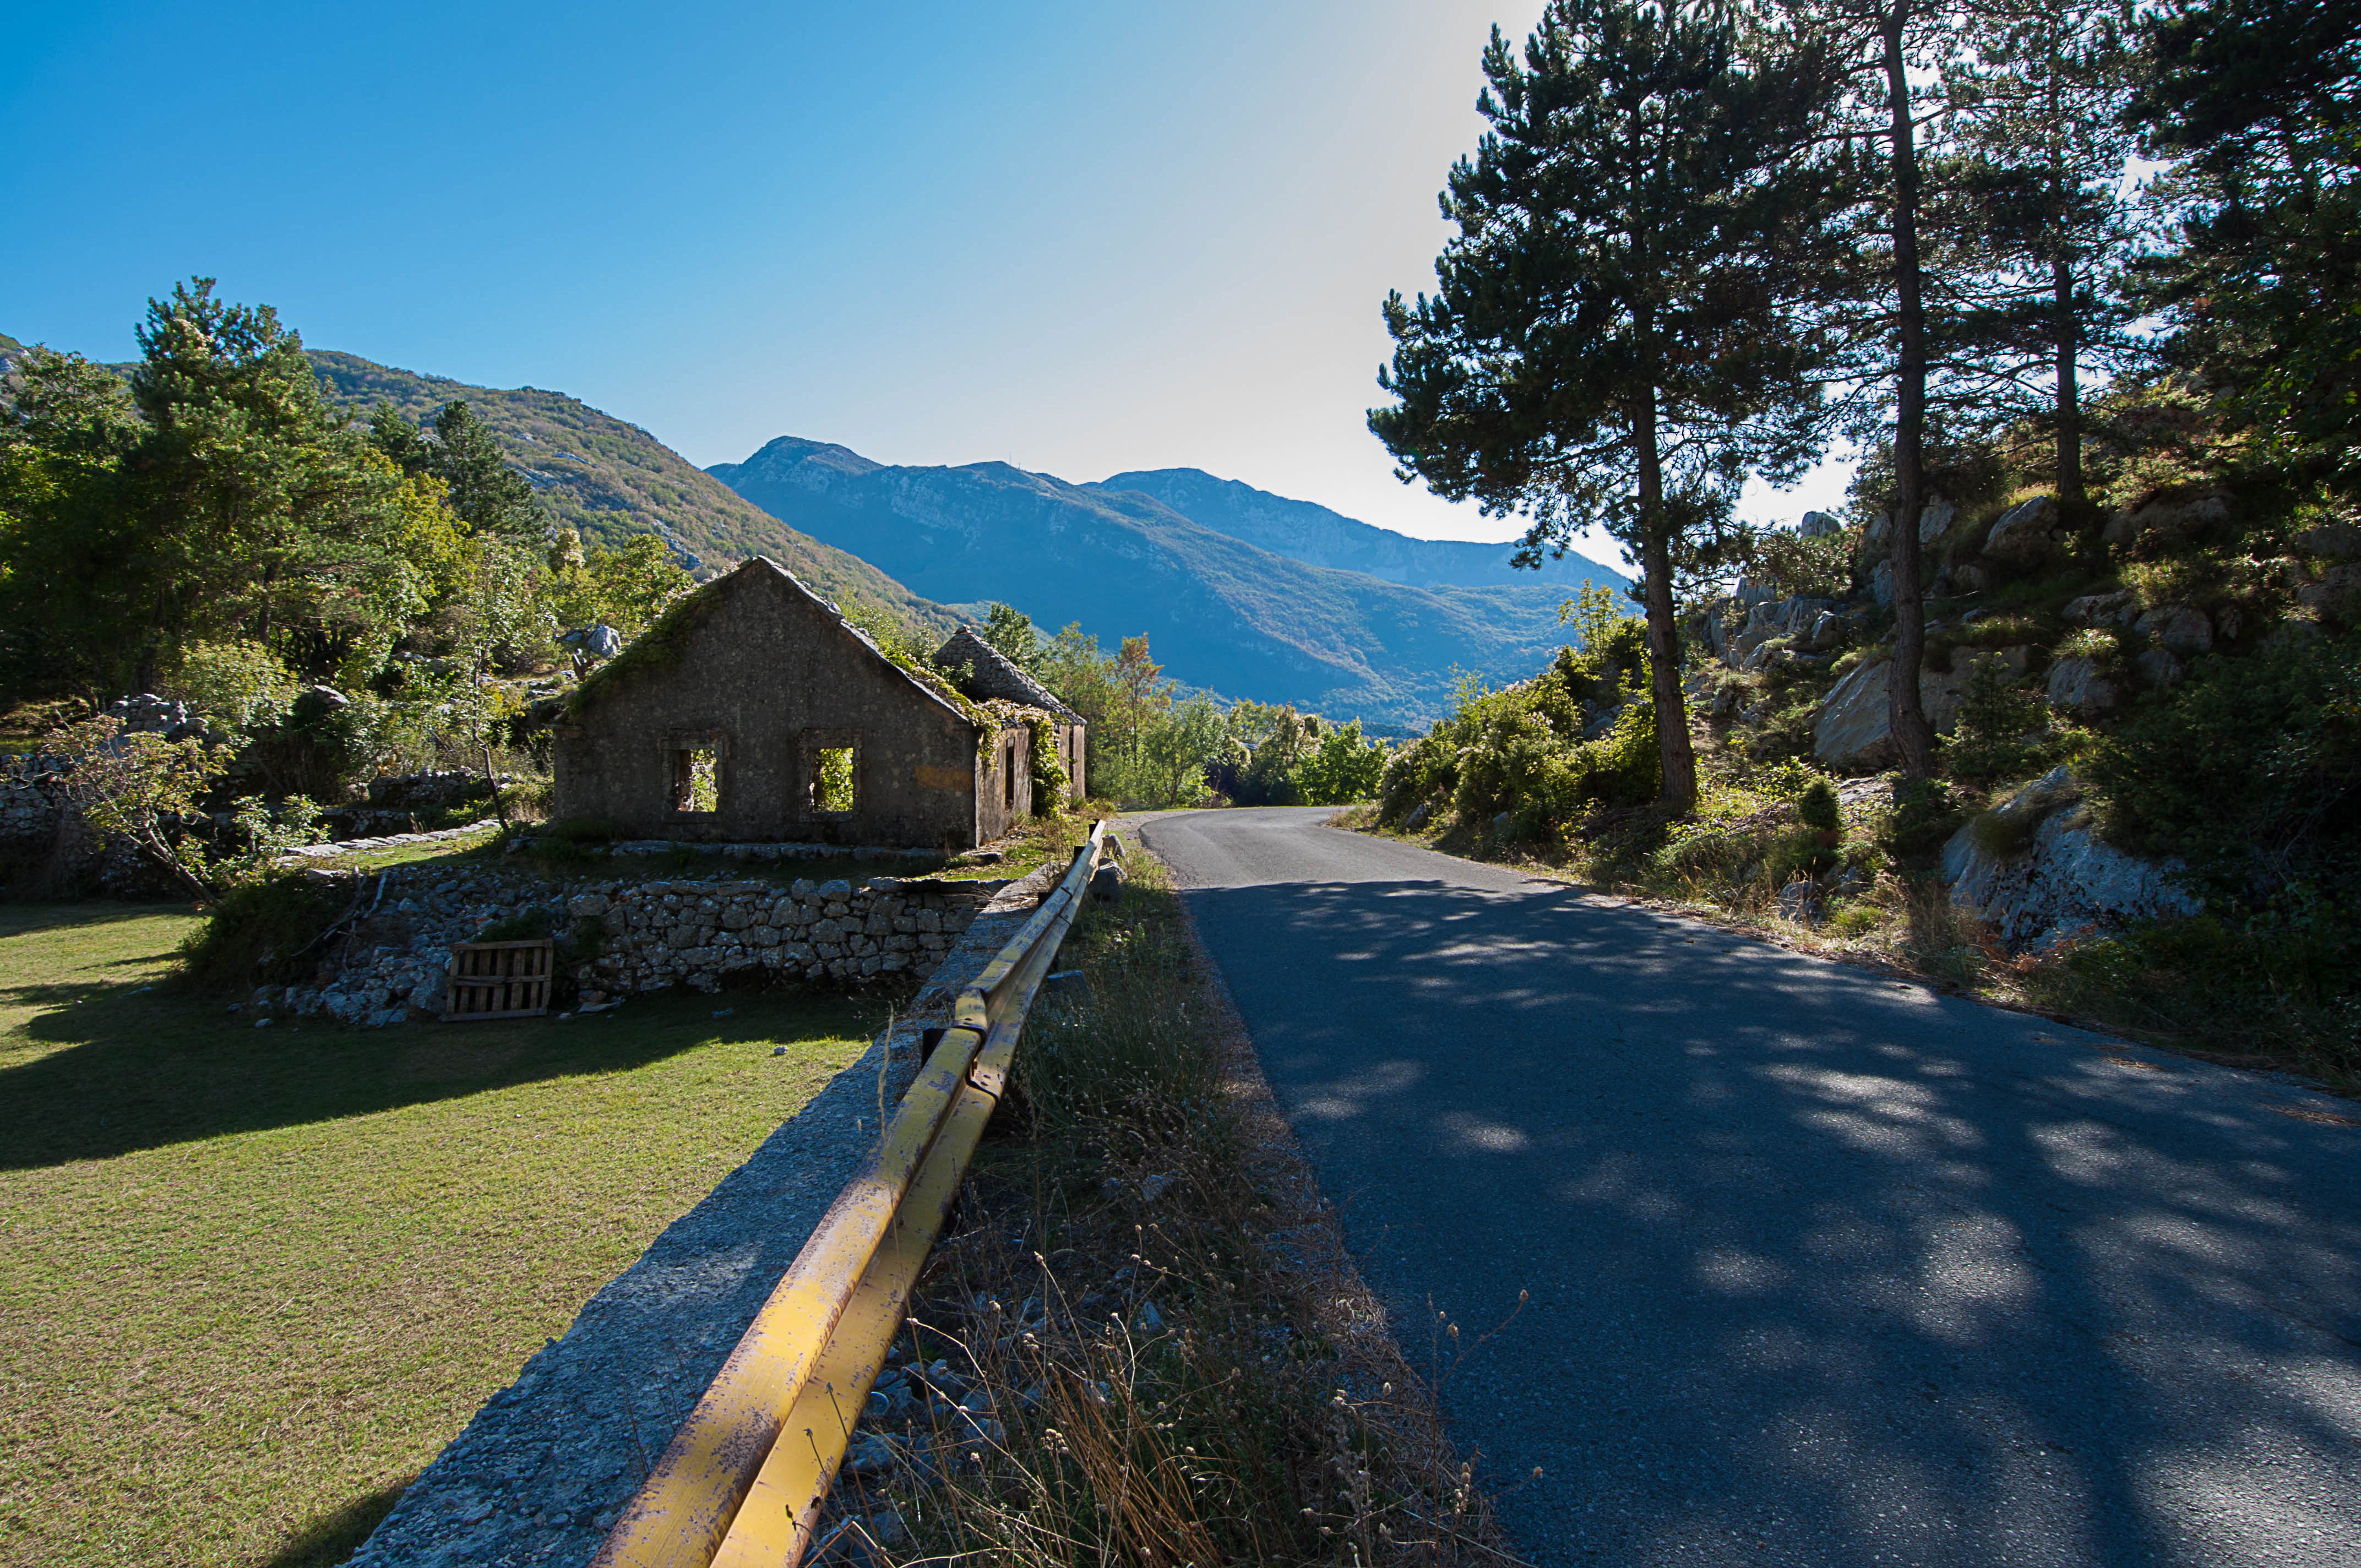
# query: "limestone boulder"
2340, 541
2035, 868
1854, 730
2178, 628
2336, 596
2160, 669
1819, 525
2119, 608
2080, 686
1934, 519
2168, 518
2022, 536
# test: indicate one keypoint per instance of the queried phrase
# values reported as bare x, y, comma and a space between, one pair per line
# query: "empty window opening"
832, 785
697, 779
1008, 778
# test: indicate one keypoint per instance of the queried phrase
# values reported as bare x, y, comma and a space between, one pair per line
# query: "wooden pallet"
498, 979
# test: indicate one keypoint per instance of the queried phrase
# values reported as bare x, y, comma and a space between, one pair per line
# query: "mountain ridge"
1221, 612
1321, 536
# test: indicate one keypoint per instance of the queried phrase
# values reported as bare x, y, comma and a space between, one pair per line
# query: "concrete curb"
545, 1467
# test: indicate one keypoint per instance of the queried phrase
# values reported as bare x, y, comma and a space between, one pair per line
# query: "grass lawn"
252, 1280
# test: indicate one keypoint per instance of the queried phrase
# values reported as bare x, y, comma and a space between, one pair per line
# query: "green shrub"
1343, 768
2004, 731
1854, 920
1050, 779
2250, 772
263, 932
1924, 817
1819, 807
525, 926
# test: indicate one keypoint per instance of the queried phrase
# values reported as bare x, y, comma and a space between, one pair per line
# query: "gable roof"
992, 673
683, 613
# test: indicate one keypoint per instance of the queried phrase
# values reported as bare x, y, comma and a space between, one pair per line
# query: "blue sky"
1080, 238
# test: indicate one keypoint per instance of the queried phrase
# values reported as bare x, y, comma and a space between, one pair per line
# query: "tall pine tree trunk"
2069, 390
1912, 736
1678, 793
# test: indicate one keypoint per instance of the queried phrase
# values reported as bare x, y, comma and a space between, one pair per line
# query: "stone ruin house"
752, 711
986, 674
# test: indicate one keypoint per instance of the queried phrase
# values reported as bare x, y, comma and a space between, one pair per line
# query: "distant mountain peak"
1319, 537
1227, 612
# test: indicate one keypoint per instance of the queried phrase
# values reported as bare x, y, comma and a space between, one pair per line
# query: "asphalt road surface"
1824, 1268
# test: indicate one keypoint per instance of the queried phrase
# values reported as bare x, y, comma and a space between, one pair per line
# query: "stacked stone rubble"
625, 938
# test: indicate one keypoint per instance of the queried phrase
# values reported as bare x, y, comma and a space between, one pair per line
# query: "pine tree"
1618, 332
1877, 44
2260, 101
2032, 220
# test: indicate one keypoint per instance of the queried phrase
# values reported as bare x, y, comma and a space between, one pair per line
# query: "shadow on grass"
333, 1537
138, 1068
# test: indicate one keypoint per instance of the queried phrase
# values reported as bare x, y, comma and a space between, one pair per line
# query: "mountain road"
1824, 1267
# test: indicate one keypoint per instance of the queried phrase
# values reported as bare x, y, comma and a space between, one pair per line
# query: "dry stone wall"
620, 938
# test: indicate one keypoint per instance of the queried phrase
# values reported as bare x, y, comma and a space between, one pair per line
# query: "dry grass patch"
1138, 1341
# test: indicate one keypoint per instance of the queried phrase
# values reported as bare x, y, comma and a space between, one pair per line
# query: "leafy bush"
240, 683
2251, 772
1819, 807
2004, 730
1791, 564
263, 932
1925, 815
1050, 779
1344, 767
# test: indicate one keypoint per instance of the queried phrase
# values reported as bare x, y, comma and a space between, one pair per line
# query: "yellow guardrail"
744, 1479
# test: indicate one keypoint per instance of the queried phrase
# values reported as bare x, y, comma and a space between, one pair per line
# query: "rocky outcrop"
1854, 730
2339, 541
2080, 686
2169, 518
2036, 869
2176, 627
2023, 536
2116, 609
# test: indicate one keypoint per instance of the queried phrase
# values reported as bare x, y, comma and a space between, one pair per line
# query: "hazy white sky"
1081, 238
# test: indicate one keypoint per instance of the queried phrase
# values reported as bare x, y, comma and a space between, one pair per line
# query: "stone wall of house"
757, 678
624, 938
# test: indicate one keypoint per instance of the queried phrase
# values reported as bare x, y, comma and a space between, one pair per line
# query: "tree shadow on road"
1821, 1261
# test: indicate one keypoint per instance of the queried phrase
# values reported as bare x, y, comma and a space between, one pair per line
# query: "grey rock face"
2168, 517
1933, 519
2178, 628
1880, 584
2160, 669
1819, 525
2078, 686
2022, 536
2119, 608
2339, 539
2035, 869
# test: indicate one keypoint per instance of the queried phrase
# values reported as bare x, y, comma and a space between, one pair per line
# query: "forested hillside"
2067, 704
610, 479
1224, 614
